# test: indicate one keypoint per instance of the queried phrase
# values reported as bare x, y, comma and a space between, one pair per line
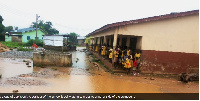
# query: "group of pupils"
124, 58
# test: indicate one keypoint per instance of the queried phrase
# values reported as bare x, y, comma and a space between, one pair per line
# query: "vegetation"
23, 49
14, 44
2, 28
8, 29
73, 38
54, 69
46, 27
37, 42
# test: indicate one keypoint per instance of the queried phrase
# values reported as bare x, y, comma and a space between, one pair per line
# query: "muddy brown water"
82, 77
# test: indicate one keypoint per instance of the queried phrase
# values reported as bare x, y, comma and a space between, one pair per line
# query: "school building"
169, 43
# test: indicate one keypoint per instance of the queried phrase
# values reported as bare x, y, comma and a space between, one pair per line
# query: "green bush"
37, 42
23, 49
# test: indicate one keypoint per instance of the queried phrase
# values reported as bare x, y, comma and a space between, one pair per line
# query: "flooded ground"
82, 77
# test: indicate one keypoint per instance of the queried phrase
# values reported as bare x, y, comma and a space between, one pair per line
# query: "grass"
13, 44
23, 49
54, 69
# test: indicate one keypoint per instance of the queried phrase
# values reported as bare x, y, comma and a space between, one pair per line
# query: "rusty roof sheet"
154, 18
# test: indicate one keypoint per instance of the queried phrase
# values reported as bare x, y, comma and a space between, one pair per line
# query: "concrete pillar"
98, 40
95, 40
114, 44
128, 42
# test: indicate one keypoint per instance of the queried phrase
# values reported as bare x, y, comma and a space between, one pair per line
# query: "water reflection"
79, 58
13, 67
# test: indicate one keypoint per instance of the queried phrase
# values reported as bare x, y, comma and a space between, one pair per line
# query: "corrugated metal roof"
24, 30
154, 18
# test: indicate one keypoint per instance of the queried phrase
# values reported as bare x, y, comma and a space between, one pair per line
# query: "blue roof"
25, 30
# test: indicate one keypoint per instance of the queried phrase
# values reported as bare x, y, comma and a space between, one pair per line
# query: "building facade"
23, 35
169, 43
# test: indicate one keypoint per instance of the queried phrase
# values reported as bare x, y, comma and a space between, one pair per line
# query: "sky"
85, 16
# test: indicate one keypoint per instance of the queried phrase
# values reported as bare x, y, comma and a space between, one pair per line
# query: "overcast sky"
85, 16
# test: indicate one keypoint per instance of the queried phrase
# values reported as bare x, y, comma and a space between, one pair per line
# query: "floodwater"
11, 67
82, 77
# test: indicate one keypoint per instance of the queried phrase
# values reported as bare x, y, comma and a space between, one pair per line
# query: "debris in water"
15, 91
152, 78
27, 63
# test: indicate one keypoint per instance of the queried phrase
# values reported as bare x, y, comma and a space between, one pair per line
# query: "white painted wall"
53, 40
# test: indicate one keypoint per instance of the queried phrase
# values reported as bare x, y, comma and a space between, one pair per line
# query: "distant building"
23, 35
57, 42
80, 40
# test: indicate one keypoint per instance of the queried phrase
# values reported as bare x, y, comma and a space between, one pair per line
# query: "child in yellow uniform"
97, 48
110, 55
137, 56
116, 53
128, 52
103, 52
128, 64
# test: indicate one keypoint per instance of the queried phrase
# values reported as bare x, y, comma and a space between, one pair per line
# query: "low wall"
59, 48
163, 62
52, 59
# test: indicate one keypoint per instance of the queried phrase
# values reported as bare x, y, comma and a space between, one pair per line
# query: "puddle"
13, 67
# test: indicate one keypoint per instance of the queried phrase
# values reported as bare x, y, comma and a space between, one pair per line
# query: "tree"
46, 27
73, 37
2, 28
8, 29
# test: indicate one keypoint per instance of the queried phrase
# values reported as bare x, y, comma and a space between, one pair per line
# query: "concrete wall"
176, 35
52, 59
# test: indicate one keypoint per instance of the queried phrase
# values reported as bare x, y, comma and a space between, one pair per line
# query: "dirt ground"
82, 77
3, 48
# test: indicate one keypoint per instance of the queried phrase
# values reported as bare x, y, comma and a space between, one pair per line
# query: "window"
28, 37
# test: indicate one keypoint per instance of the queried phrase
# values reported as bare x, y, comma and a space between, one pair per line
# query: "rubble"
152, 78
15, 91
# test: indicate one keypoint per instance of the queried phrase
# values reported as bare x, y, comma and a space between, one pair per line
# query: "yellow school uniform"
128, 52
110, 55
97, 48
116, 53
103, 52
127, 63
137, 55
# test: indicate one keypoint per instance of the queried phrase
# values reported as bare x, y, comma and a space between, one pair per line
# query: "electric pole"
36, 25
